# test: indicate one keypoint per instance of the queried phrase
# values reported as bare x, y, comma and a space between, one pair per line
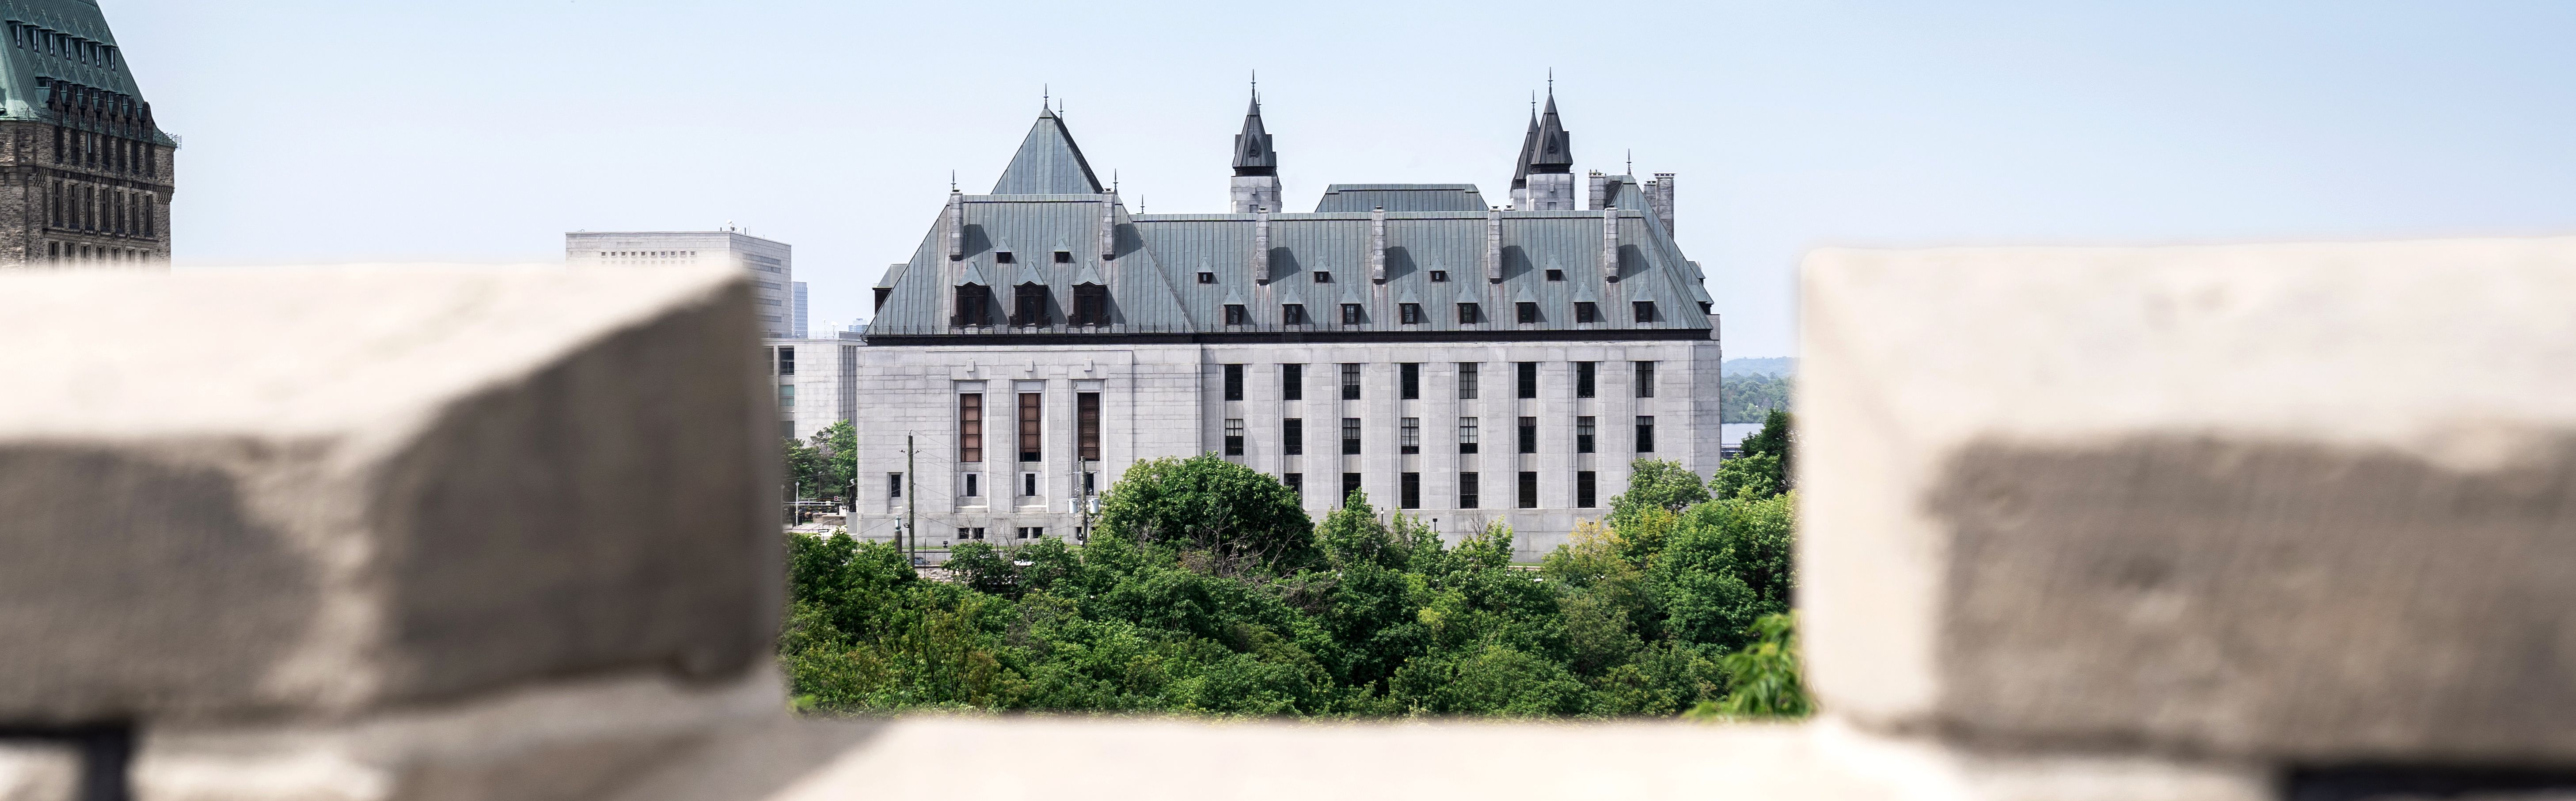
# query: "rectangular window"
1350, 314
1467, 490
964, 533
1028, 305
1467, 435
974, 488
787, 400
1410, 313
1086, 417
1206, 277
1029, 434
970, 428
1064, 257
1090, 304
1584, 373
1292, 436
1583, 435
1529, 490
1467, 314
1411, 439
1350, 381
1439, 276
1585, 482
974, 305
1030, 532
1292, 382
1028, 485
786, 361
1525, 312
1091, 483
1350, 484
1409, 491
1408, 380
1587, 312
1296, 484
1645, 379
1645, 310
1234, 382
1556, 275
1292, 314
1529, 435
1528, 375
1322, 277
1236, 315
1467, 380
894, 485
1234, 436
1350, 436
1645, 434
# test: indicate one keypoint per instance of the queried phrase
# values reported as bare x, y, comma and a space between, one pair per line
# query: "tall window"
1467, 435
1090, 304
1296, 485
894, 485
974, 305
1350, 381
1645, 379
1645, 434
1028, 485
1086, 425
786, 360
1586, 490
1030, 410
1467, 314
1292, 436
1292, 314
1467, 380
1410, 439
1350, 436
970, 427
1583, 435
1528, 375
1467, 490
1645, 310
1529, 490
974, 485
787, 402
1028, 305
1529, 435
1234, 382
1408, 380
1234, 436
1292, 382
1584, 373
1350, 484
1409, 491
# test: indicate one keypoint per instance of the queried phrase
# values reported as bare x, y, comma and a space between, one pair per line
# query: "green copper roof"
1048, 163
67, 43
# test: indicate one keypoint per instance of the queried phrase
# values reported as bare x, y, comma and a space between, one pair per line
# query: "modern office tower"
771, 264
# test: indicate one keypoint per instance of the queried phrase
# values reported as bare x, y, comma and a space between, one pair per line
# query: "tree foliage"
1208, 591
824, 467
1748, 397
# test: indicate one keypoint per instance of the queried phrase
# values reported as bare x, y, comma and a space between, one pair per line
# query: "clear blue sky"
480, 130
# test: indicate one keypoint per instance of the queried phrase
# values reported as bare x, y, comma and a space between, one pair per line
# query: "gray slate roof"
1401, 197
1153, 283
1048, 163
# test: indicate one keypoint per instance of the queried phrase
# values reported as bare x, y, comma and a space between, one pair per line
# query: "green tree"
1725, 566
1655, 484
1762, 469
836, 449
1207, 508
1764, 677
1746, 398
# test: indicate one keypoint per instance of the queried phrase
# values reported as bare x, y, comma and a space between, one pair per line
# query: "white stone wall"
772, 264
824, 394
1168, 400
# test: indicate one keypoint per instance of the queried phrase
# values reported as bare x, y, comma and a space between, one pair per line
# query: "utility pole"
911, 504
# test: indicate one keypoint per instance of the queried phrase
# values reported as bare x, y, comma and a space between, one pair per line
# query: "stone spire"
1256, 164
1520, 166
1551, 163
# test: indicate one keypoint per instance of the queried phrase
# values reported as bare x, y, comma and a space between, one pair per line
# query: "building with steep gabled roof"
89, 170
1452, 359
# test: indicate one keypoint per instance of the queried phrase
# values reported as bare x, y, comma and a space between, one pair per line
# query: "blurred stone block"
38, 771
318, 492
2300, 502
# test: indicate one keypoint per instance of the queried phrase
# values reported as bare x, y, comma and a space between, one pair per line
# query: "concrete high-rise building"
1458, 362
85, 173
771, 264
797, 323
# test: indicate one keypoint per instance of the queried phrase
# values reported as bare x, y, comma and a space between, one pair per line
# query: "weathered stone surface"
2309, 503
556, 741
36, 771
303, 492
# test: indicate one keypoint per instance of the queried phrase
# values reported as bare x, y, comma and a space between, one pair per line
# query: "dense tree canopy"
1207, 590
1749, 397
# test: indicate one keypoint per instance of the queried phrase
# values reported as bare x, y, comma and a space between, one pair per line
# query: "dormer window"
1090, 304
883, 293
1468, 314
1003, 257
1556, 275
974, 305
1064, 257
1028, 304
1706, 307
1410, 313
1525, 312
1440, 276
1292, 314
1322, 277
1206, 277
1350, 314
1587, 312
1235, 314
1645, 310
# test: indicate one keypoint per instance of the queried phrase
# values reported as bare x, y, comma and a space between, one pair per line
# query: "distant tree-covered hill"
1748, 397
1775, 366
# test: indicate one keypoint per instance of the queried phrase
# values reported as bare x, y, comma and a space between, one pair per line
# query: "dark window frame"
1526, 437
1292, 436
1525, 379
1233, 382
1586, 378
1408, 380
1467, 490
1292, 382
1529, 489
1350, 436
1350, 381
1645, 433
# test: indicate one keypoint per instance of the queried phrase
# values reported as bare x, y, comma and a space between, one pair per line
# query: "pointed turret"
1551, 163
1048, 163
1256, 165
1520, 166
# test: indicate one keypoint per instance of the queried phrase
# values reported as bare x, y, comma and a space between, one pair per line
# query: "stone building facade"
772, 264
816, 382
1457, 362
86, 174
